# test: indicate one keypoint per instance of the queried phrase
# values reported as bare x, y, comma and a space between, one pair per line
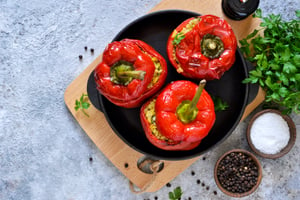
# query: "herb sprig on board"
82, 104
276, 53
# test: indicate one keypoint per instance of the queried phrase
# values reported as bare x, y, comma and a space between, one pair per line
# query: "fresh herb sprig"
219, 104
276, 53
82, 104
176, 194
178, 37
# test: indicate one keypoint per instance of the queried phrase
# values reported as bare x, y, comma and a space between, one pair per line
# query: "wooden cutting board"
96, 127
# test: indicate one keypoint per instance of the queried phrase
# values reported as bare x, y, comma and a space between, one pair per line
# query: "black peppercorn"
80, 57
92, 50
85, 48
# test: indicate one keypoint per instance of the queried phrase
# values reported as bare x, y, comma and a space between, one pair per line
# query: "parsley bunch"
277, 58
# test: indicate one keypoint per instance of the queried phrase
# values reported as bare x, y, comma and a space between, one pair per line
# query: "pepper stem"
187, 110
211, 46
133, 74
123, 73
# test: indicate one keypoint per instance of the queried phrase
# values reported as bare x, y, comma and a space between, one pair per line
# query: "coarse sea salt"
269, 133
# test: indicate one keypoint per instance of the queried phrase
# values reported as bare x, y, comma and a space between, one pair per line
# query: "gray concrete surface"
44, 154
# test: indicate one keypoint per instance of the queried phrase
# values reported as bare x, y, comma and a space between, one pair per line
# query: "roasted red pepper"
202, 47
179, 117
130, 72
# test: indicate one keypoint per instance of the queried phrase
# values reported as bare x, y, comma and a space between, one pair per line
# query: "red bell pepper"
202, 47
179, 117
130, 72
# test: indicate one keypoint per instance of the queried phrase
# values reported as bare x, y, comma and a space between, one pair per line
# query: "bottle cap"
239, 9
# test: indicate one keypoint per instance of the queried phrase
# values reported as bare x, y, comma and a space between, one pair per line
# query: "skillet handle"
253, 88
93, 93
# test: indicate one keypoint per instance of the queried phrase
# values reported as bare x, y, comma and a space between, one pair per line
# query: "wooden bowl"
237, 194
292, 131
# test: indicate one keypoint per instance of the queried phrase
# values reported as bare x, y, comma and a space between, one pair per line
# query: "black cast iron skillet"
155, 29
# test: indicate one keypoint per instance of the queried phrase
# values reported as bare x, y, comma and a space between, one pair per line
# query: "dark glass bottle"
239, 9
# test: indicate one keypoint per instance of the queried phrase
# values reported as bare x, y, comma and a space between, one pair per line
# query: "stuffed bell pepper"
130, 72
179, 117
202, 47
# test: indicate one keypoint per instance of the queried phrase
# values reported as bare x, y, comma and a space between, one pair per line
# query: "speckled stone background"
44, 154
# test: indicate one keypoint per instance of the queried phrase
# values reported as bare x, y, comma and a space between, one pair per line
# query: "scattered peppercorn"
207, 187
237, 172
91, 159
80, 57
92, 50
198, 181
126, 165
190, 198
204, 158
168, 184
85, 48
203, 184
193, 173
155, 197
215, 193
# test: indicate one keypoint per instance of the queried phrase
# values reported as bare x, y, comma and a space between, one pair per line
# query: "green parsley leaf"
176, 194
297, 59
298, 13
178, 37
220, 105
258, 13
289, 68
82, 104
